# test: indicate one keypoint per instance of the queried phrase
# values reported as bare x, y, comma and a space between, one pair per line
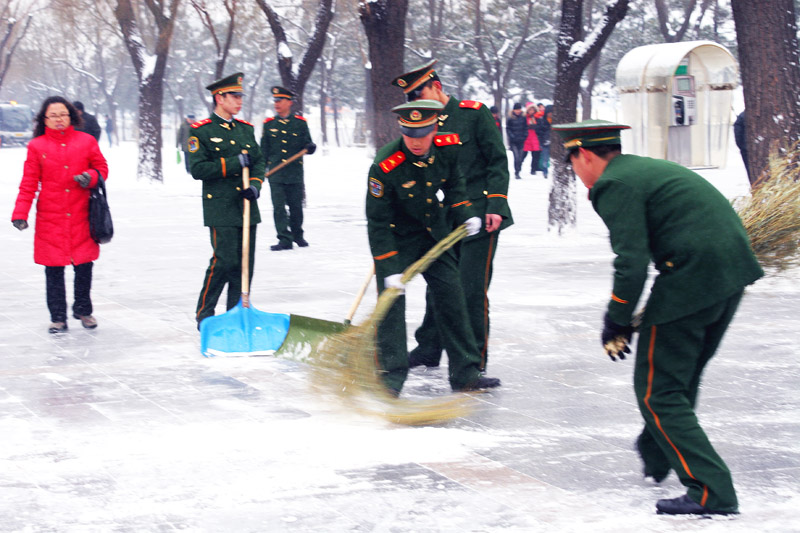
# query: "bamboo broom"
346, 363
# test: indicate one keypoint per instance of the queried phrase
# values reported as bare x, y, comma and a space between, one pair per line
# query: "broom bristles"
771, 214
347, 362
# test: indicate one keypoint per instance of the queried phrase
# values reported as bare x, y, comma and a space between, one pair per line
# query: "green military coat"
483, 161
281, 138
214, 146
659, 211
402, 200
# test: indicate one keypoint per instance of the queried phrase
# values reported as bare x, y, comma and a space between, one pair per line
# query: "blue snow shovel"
244, 330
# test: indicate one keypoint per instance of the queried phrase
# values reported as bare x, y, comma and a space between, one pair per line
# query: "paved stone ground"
127, 428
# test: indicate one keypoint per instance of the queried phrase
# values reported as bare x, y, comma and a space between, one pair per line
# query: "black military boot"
685, 505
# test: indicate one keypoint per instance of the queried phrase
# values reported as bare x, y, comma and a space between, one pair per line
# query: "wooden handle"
301, 153
246, 239
351, 313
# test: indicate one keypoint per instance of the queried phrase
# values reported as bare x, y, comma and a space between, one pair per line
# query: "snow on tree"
150, 69
575, 51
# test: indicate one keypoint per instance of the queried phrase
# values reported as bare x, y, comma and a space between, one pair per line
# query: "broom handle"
276, 168
351, 313
246, 239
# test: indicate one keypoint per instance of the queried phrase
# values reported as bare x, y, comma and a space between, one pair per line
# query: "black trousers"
57, 292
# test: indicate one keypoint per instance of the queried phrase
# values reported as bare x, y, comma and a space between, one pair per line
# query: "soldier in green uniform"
284, 135
219, 148
404, 220
484, 166
662, 212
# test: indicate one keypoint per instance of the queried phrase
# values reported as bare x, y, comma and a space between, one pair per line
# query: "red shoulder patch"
392, 162
201, 122
470, 104
268, 119
446, 139
243, 121
301, 117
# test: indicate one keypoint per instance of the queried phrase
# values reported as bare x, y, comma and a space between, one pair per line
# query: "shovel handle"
246, 239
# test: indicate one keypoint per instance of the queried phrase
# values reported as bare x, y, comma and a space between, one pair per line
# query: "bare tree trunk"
384, 23
222, 48
569, 69
151, 83
662, 11
15, 32
323, 97
768, 55
296, 82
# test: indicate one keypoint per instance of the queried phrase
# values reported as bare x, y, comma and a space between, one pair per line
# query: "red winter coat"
532, 140
61, 233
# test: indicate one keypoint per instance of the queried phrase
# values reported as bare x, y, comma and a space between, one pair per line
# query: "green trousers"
444, 284
224, 268
670, 359
475, 259
289, 227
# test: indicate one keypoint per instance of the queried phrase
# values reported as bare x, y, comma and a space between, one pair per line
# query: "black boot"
685, 505
417, 358
479, 384
281, 246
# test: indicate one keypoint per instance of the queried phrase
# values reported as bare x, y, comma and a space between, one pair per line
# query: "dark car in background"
16, 124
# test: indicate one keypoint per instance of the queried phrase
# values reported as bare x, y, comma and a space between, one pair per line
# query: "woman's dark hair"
74, 117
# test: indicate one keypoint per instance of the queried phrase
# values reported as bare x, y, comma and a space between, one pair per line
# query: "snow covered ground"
127, 428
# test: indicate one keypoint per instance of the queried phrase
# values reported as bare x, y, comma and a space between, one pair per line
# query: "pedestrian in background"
517, 132
182, 139
496, 116
283, 136
62, 165
532, 140
110, 130
543, 125
88, 123
658, 211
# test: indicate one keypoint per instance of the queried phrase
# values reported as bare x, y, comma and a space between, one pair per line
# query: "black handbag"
100, 225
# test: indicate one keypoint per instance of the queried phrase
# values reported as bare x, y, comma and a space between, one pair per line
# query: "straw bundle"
771, 214
346, 363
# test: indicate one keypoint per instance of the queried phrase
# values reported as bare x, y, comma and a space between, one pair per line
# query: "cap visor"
416, 132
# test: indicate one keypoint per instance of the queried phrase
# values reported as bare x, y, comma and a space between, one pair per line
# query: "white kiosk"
677, 99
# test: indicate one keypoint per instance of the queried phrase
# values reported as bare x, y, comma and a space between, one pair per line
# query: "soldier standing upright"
284, 135
662, 212
484, 166
404, 220
219, 149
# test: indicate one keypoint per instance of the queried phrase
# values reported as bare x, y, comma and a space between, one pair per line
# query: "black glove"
244, 160
250, 193
616, 338
20, 224
311, 148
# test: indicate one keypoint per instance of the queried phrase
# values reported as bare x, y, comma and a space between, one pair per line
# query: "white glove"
393, 282
473, 226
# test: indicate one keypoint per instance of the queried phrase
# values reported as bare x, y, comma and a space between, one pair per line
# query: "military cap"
588, 133
411, 81
418, 118
228, 84
282, 92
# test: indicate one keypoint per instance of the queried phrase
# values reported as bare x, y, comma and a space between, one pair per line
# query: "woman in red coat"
62, 165
532, 140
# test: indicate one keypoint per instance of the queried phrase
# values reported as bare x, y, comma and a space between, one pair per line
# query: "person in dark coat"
220, 147
483, 162
517, 132
658, 211
283, 136
740, 136
543, 124
405, 219
88, 123
63, 164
